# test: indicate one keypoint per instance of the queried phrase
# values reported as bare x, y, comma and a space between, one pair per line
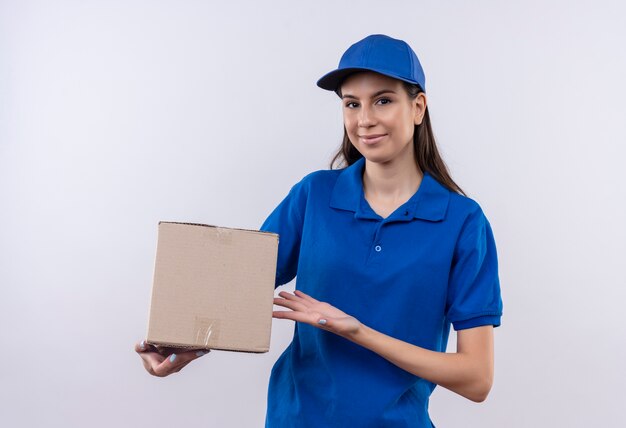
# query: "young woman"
388, 252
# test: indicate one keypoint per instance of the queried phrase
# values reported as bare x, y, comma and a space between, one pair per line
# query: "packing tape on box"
207, 331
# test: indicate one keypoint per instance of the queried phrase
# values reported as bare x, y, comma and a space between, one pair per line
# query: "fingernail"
201, 353
322, 321
172, 358
143, 344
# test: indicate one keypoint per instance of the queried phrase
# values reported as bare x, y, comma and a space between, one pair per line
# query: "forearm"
460, 372
468, 372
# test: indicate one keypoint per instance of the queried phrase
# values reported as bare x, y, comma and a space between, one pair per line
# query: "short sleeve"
286, 220
474, 297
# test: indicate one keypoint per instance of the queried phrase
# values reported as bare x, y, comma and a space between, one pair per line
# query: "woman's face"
379, 116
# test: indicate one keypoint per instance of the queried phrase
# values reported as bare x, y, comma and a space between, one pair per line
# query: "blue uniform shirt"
429, 264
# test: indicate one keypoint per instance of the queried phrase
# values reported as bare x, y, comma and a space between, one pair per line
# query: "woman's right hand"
162, 361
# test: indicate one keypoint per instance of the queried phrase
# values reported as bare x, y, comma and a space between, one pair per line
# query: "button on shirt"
432, 263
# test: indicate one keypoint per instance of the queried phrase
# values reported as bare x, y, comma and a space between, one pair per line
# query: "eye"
384, 101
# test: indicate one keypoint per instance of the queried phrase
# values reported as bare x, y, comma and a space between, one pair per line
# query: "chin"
377, 159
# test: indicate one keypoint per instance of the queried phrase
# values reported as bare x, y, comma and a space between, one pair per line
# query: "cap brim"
330, 81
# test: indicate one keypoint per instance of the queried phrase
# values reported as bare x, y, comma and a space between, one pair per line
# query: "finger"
289, 296
197, 353
290, 304
182, 358
194, 354
175, 362
295, 298
305, 317
148, 366
152, 357
144, 347
151, 360
167, 366
305, 296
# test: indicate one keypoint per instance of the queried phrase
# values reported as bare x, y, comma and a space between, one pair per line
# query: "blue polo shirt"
432, 263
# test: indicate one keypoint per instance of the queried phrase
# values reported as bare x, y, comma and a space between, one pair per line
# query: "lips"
372, 139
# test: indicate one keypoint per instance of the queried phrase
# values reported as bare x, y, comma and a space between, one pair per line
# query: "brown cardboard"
213, 287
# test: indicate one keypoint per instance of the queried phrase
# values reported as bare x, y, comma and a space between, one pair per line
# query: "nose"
366, 117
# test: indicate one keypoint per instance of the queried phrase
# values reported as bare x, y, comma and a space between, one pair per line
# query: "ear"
420, 108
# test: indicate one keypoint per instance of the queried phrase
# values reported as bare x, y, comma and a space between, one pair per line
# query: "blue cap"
379, 53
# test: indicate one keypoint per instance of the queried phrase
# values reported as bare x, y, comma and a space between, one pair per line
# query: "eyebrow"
373, 96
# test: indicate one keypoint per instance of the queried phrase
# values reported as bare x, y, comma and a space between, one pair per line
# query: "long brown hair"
425, 148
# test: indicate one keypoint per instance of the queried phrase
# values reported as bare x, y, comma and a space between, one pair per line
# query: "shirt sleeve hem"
477, 321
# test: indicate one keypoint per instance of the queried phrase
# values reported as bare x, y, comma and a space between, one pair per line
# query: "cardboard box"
213, 287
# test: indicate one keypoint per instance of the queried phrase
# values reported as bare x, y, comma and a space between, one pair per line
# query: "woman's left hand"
306, 309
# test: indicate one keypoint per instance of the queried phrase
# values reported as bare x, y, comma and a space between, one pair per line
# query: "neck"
394, 180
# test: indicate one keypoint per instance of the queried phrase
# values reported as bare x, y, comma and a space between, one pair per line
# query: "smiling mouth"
372, 139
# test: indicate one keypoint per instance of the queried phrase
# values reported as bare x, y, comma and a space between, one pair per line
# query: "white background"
117, 114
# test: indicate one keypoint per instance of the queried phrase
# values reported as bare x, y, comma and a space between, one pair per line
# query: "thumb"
325, 322
344, 326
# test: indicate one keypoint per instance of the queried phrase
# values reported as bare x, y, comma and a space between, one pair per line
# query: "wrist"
359, 334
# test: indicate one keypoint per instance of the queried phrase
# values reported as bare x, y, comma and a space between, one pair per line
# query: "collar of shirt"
430, 202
